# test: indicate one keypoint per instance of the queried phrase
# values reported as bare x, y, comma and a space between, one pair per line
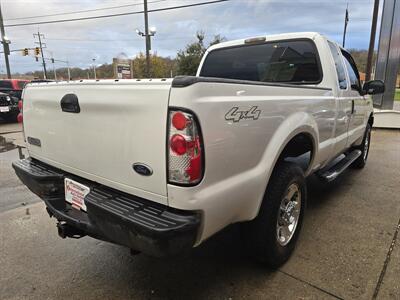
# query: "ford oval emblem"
142, 169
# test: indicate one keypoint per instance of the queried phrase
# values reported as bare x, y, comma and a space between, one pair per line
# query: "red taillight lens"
20, 118
194, 171
178, 144
179, 120
185, 161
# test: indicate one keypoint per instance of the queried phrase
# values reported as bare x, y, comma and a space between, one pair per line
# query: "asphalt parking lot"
349, 246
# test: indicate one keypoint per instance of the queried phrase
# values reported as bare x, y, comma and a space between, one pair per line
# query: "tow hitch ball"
65, 230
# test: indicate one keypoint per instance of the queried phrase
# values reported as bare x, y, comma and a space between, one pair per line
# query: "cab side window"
354, 76
340, 71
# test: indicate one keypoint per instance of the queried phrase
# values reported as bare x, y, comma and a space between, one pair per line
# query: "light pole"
94, 68
148, 32
5, 41
151, 32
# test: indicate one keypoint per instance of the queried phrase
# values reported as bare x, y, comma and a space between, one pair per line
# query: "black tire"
261, 234
360, 162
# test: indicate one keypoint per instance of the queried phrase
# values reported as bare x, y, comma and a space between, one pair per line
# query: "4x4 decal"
235, 115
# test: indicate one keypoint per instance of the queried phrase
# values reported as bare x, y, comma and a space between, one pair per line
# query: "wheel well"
299, 149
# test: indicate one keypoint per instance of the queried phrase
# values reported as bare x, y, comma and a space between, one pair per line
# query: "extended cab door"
343, 104
358, 102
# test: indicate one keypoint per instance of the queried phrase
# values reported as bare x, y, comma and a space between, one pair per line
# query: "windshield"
293, 61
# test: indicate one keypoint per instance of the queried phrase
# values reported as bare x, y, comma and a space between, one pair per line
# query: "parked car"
8, 107
13, 87
168, 163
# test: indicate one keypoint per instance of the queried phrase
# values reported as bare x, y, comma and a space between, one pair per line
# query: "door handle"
352, 106
69, 103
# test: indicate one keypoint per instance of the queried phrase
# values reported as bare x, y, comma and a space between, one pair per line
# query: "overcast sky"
80, 42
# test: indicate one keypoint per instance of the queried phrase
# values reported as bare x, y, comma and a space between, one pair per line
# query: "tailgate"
119, 124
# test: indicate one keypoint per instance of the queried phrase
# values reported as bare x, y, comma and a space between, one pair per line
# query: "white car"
160, 165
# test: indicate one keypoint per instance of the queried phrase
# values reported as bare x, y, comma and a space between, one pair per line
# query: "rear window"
5, 84
294, 61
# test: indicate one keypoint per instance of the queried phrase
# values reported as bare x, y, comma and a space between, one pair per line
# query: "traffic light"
37, 51
25, 52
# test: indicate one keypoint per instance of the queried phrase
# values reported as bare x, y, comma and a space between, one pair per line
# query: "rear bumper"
111, 215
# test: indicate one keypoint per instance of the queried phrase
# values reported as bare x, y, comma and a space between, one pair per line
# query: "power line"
81, 11
116, 15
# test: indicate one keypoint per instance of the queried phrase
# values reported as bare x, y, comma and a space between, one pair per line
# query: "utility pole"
372, 42
54, 69
53, 61
40, 36
346, 20
94, 68
146, 32
5, 43
69, 72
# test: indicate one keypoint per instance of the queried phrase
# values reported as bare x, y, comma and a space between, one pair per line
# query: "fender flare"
297, 123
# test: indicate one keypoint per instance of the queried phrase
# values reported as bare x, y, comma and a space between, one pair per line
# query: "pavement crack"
312, 285
386, 263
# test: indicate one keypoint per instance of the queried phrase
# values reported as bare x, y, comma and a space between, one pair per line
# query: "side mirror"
374, 87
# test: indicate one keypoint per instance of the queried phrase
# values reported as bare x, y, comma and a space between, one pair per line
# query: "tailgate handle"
70, 103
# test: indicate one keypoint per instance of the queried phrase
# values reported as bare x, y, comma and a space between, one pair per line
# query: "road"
349, 246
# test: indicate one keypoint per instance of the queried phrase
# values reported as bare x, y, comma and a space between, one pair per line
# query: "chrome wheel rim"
288, 214
366, 146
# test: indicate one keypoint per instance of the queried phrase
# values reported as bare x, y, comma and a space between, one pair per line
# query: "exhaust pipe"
65, 230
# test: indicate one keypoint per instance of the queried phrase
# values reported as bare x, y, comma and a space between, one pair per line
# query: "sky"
102, 39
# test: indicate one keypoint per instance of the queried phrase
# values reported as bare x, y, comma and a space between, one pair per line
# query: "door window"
340, 71
354, 76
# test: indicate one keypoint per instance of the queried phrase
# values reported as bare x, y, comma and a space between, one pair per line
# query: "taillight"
185, 149
20, 118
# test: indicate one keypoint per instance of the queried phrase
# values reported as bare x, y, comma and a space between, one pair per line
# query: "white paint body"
123, 122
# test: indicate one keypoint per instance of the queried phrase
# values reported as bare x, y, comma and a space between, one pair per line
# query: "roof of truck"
272, 37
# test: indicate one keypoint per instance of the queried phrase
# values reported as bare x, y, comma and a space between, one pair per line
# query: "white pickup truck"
160, 165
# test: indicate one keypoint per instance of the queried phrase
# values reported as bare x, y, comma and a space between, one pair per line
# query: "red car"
13, 87
10, 95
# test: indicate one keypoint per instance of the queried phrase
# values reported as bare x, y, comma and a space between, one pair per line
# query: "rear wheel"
272, 235
360, 162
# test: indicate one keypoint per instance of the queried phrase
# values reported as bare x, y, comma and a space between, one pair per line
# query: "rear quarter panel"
240, 156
